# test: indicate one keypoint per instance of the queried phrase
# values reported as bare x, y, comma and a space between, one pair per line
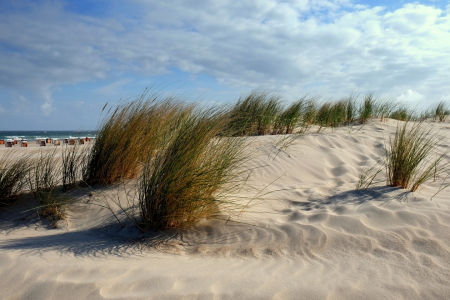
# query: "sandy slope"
313, 237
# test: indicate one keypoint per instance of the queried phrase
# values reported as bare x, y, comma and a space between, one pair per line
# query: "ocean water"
33, 135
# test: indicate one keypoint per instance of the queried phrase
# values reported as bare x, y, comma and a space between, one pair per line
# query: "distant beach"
52, 134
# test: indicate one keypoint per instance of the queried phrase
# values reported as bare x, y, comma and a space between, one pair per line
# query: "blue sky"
62, 60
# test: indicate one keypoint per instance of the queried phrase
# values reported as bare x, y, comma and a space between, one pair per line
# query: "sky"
61, 61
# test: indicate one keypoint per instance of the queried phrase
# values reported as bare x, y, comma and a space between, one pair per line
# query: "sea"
56, 134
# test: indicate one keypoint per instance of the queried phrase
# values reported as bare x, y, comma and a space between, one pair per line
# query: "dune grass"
186, 181
402, 113
244, 113
127, 134
441, 111
52, 204
43, 181
37, 172
324, 115
270, 112
73, 163
179, 151
13, 173
260, 113
310, 111
351, 114
41, 173
45, 171
411, 157
289, 118
254, 114
334, 114
385, 108
367, 108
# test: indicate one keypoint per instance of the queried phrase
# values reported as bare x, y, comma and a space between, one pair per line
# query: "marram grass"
127, 135
73, 162
44, 178
289, 118
254, 114
367, 108
13, 173
45, 170
186, 181
402, 113
411, 157
441, 111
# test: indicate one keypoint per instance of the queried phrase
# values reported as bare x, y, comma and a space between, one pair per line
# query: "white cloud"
411, 96
331, 47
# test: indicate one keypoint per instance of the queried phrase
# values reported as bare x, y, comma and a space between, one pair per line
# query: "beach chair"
66, 141
48, 141
24, 144
2, 142
8, 144
57, 143
71, 142
43, 144
81, 141
38, 141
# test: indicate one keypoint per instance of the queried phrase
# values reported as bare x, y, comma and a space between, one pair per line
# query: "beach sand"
307, 234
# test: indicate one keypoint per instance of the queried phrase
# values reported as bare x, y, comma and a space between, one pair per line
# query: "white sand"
314, 238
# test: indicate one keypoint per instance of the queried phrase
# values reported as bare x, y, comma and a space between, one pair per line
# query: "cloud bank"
291, 46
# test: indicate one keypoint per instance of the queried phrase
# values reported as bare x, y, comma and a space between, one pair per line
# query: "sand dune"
311, 236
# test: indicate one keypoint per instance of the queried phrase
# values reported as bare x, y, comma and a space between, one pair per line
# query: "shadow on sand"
112, 239
378, 194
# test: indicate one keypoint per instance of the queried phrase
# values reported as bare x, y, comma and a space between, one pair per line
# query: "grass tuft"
73, 163
127, 135
367, 108
184, 182
254, 114
13, 174
310, 111
441, 111
409, 157
44, 175
402, 113
43, 178
289, 118
385, 109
